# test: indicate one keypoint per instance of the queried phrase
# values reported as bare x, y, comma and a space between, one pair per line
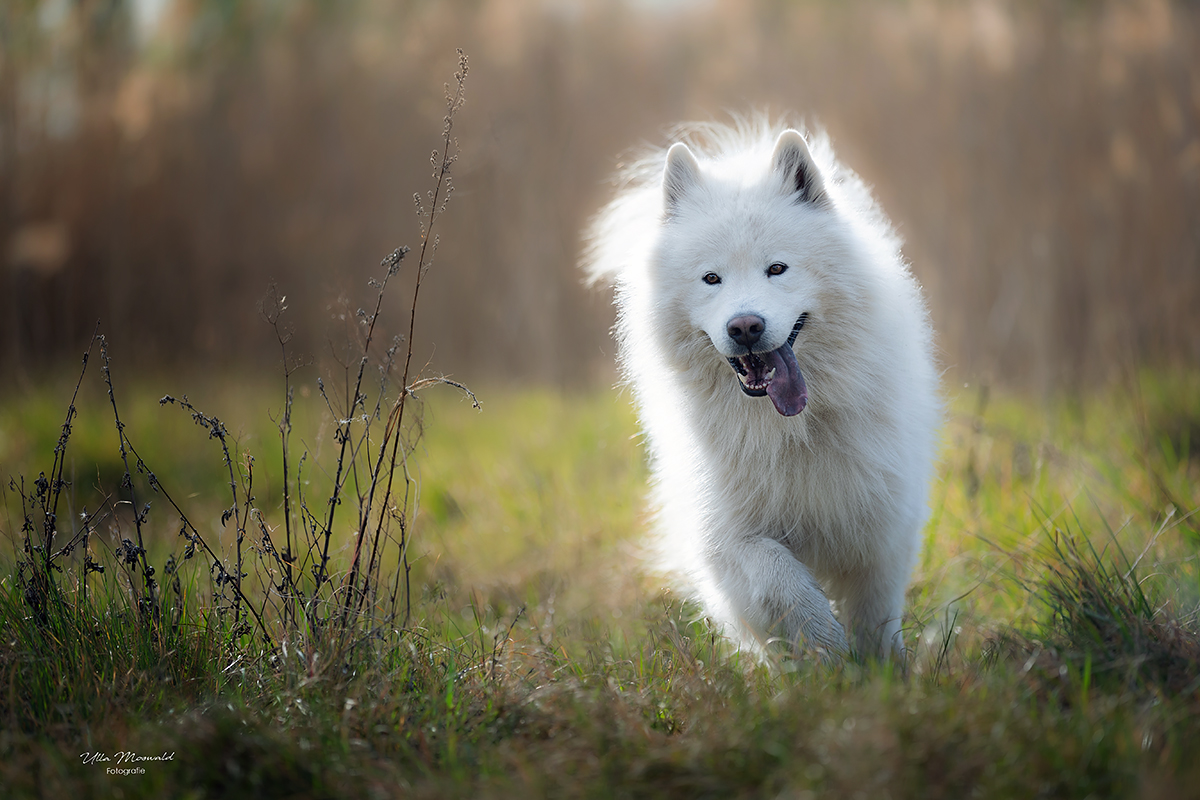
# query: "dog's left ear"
793, 162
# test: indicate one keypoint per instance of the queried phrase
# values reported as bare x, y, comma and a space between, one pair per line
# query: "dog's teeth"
769, 375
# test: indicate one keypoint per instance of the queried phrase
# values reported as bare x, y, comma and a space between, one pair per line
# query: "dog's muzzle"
775, 374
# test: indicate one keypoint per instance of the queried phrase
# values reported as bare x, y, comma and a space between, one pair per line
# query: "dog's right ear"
794, 163
682, 175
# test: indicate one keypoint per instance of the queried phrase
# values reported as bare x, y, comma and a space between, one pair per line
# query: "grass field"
1051, 622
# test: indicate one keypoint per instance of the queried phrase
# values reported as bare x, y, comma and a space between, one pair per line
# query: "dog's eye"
712, 278
778, 268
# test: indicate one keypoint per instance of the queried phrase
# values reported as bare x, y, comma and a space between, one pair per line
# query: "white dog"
781, 361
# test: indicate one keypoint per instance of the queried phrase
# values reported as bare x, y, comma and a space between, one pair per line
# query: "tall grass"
1107, 624
301, 598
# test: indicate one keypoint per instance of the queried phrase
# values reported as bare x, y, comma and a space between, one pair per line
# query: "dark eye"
712, 278
778, 268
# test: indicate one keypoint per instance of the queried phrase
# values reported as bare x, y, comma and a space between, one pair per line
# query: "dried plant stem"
343, 434
272, 309
148, 601
439, 197
224, 578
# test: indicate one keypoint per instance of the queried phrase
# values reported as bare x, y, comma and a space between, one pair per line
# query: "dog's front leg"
776, 596
870, 602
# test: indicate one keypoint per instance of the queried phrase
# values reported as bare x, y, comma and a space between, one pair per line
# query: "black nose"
746, 329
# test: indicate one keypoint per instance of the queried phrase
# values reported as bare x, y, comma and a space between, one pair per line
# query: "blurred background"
163, 161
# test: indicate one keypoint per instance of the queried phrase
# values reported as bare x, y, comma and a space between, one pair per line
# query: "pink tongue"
786, 390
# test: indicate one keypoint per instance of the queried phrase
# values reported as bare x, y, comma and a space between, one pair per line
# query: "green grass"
1051, 621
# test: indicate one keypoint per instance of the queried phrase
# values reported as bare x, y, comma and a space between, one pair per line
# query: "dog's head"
744, 249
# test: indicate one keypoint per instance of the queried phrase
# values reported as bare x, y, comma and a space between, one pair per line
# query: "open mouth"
755, 373
775, 374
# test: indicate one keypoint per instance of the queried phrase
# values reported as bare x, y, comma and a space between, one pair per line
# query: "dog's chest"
812, 492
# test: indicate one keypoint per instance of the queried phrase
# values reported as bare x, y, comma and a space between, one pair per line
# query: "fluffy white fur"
766, 517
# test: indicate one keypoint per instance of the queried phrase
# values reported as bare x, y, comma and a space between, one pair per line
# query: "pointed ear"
792, 161
682, 175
